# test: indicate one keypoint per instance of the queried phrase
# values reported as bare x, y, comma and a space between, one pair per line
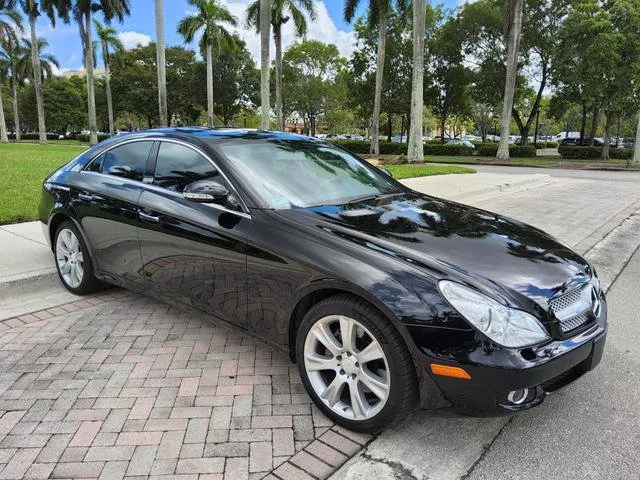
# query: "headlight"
505, 326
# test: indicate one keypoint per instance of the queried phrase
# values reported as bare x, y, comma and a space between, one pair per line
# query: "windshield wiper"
376, 196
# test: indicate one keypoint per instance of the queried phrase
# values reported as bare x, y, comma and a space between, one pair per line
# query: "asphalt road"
589, 430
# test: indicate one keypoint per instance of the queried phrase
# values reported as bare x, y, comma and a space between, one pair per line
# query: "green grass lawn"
23, 167
409, 171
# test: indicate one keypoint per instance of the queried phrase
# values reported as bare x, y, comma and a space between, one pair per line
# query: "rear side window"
177, 166
128, 161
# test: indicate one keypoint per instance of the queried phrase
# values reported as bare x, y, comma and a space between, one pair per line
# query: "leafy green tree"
9, 21
210, 19
109, 40
82, 11
310, 70
281, 12
33, 9
377, 13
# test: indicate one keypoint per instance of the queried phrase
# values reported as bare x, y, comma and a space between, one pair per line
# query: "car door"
104, 197
192, 252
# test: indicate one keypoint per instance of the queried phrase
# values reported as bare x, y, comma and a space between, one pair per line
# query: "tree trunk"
209, 86
3, 125
16, 113
88, 65
583, 123
526, 128
594, 126
107, 83
389, 126
636, 148
265, 22
415, 152
443, 126
277, 37
607, 137
37, 77
161, 64
513, 46
377, 100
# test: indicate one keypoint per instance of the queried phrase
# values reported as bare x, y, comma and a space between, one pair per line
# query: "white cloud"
323, 29
133, 39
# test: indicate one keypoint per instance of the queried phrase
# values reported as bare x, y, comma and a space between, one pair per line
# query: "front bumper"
542, 370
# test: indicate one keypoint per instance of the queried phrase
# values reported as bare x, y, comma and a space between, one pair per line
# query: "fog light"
518, 397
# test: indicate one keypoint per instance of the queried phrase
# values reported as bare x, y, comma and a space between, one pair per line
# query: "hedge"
84, 137
491, 149
586, 153
547, 144
33, 136
396, 148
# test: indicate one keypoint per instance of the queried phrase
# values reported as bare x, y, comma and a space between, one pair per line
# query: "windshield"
300, 173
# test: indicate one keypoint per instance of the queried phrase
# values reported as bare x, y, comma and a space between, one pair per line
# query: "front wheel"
73, 261
355, 364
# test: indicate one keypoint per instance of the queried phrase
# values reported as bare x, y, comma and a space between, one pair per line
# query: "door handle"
87, 197
148, 217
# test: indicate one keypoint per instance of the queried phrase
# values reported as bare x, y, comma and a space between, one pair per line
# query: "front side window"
299, 173
128, 160
177, 166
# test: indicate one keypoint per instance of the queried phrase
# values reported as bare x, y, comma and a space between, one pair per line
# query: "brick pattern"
120, 385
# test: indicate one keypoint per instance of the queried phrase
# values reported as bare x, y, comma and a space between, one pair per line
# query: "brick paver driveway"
122, 385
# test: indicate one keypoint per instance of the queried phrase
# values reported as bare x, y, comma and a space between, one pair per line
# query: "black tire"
89, 283
403, 390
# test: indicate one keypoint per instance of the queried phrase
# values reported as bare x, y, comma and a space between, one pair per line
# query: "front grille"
573, 309
574, 322
566, 301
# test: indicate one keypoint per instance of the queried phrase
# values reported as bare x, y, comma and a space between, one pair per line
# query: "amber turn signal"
447, 371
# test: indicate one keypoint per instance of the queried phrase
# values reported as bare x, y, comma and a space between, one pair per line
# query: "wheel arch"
316, 294
57, 219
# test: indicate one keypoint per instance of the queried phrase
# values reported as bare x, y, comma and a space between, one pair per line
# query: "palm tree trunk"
416, 148
375, 121
161, 64
16, 113
37, 79
107, 83
3, 125
277, 37
636, 148
209, 86
88, 64
265, 17
606, 149
515, 27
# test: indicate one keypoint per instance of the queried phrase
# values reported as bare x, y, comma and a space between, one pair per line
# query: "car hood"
464, 241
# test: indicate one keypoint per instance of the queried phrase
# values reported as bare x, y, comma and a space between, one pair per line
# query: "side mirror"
206, 191
385, 171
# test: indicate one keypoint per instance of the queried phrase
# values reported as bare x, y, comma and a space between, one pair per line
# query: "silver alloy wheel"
69, 258
347, 367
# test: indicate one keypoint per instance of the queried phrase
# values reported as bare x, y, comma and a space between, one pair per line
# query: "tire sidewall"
375, 323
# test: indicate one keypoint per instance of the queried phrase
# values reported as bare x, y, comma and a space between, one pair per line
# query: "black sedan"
385, 297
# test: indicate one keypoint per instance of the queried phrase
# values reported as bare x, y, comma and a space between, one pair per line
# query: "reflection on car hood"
473, 242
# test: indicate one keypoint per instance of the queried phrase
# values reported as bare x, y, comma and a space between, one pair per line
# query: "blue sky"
140, 28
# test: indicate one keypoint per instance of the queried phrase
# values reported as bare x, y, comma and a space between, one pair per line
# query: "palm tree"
278, 19
82, 11
8, 18
514, 29
416, 148
161, 64
376, 17
636, 148
210, 18
33, 9
10, 53
108, 39
265, 8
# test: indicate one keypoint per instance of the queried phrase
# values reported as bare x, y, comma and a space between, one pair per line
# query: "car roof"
218, 134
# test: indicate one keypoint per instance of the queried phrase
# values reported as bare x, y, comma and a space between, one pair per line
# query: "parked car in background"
576, 142
466, 143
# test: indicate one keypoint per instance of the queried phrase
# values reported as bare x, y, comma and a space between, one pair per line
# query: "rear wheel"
355, 364
73, 262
